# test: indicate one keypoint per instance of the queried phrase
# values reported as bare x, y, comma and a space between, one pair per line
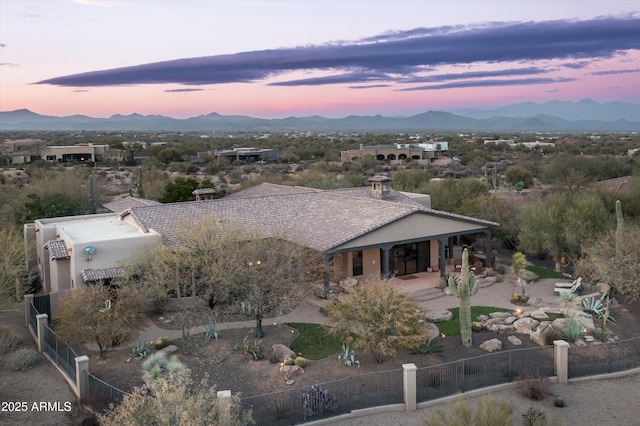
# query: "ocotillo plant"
619, 228
463, 288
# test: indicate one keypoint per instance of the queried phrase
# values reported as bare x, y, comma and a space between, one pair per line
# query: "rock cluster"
536, 324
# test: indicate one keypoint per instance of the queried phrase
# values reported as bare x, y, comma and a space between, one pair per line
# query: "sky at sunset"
281, 58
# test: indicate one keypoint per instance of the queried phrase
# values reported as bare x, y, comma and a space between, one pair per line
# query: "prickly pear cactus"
463, 288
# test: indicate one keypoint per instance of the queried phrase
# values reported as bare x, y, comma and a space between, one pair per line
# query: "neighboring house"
248, 155
80, 153
362, 232
124, 203
626, 186
22, 151
398, 151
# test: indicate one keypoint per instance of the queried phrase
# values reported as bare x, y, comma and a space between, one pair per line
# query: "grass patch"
452, 327
314, 342
543, 273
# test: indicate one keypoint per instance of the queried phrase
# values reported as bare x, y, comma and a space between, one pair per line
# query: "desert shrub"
300, 361
316, 401
533, 417
8, 340
600, 334
253, 350
553, 334
572, 331
430, 347
489, 412
22, 359
533, 386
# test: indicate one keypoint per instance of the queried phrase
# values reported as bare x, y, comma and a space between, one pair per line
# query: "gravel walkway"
587, 402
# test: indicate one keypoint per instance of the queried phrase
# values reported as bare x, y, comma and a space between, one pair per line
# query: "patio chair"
575, 287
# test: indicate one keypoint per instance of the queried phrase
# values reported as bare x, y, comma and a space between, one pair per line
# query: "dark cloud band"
390, 57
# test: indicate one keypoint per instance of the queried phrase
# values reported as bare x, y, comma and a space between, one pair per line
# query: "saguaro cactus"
463, 288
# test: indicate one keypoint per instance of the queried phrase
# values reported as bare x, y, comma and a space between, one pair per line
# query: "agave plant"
596, 307
210, 331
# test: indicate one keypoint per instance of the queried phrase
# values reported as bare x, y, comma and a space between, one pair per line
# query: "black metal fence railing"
102, 394
60, 352
447, 379
42, 303
606, 358
305, 404
33, 321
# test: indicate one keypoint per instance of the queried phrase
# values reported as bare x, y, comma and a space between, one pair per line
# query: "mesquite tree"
463, 288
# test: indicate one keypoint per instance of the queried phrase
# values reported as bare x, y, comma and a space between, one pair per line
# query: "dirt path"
38, 395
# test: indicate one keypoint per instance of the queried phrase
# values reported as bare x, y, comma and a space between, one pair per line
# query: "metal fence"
482, 371
33, 321
60, 352
102, 394
305, 404
43, 305
605, 358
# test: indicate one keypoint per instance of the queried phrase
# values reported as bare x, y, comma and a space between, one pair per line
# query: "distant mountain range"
555, 116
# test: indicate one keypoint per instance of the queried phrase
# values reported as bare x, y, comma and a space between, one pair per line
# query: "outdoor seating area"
574, 287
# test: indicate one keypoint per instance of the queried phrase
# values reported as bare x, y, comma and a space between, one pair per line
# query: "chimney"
380, 186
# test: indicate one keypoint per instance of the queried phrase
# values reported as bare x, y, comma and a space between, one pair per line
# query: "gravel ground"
590, 402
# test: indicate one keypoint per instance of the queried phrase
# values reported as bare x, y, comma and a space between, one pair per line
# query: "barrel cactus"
463, 288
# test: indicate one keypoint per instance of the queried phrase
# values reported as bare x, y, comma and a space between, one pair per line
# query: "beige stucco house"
361, 232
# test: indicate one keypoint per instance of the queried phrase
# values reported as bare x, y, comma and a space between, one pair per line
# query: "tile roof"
92, 275
622, 185
57, 249
123, 204
310, 217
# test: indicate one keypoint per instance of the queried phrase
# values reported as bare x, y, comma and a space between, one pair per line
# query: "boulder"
290, 372
500, 314
161, 342
540, 335
510, 320
438, 316
483, 318
526, 325
539, 314
586, 321
169, 349
280, 352
492, 345
514, 340
432, 329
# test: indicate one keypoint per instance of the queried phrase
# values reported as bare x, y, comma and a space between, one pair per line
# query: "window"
357, 268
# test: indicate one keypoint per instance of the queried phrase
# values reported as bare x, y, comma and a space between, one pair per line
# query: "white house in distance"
360, 232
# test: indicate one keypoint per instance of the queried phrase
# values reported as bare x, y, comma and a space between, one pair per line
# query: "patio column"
442, 260
385, 261
326, 259
487, 247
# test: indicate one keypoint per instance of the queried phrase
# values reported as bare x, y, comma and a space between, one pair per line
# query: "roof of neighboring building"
622, 185
122, 204
57, 249
313, 218
92, 275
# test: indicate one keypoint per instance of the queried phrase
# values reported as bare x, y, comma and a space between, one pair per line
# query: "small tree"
13, 273
169, 402
383, 320
518, 266
463, 288
99, 314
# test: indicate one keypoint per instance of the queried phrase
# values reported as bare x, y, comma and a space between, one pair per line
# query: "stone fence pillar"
224, 407
28, 301
82, 381
409, 383
42, 321
561, 360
